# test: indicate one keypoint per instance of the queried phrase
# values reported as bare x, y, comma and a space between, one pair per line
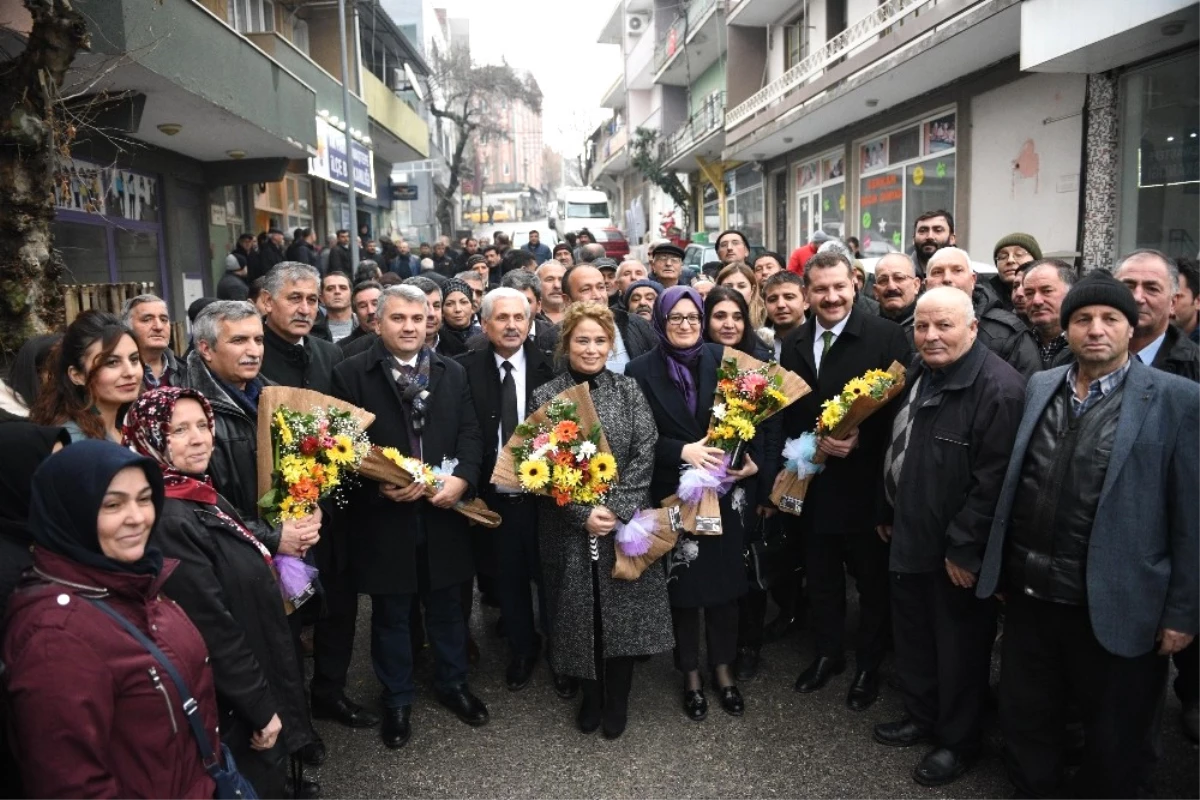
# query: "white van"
583, 208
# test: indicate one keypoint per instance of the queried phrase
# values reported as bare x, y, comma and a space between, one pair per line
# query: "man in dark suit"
406, 546
291, 356
583, 283
951, 437
1094, 546
836, 344
503, 376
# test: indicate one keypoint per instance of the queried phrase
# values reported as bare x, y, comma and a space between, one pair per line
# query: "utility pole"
349, 141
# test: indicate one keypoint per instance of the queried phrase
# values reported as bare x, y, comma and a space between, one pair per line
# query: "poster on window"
807, 176
939, 134
881, 209
105, 191
874, 154
929, 186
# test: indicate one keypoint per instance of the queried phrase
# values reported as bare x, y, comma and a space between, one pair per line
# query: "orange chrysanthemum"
564, 459
561, 497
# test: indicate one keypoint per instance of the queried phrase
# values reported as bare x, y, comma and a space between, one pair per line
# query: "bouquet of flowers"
647, 537
303, 458
389, 465
560, 451
840, 415
749, 392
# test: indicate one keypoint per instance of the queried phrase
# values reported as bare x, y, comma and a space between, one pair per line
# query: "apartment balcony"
612, 152
614, 27
614, 97
698, 30
639, 61
327, 87
899, 51
197, 76
397, 132
702, 135
758, 13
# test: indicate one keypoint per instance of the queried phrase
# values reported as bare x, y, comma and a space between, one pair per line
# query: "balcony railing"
708, 120
674, 39
864, 31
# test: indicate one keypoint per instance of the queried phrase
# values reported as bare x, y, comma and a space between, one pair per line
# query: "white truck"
582, 208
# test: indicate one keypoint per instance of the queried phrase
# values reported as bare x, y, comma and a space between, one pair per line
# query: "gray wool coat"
635, 615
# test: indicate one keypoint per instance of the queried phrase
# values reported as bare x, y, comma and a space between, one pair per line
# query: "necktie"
827, 342
894, 458
508, 403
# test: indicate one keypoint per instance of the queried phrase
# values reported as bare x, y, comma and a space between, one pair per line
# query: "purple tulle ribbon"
297, 579
694, 482
634, 536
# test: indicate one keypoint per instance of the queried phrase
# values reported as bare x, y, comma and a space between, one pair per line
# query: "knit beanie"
1098, 288
453, 285
642, 284
1019, 240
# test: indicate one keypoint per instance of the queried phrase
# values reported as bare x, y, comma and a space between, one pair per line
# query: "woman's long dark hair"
29, 365
60, 399
750, 343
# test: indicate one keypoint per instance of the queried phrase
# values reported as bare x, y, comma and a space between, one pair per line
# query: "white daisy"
587, 449
719, 411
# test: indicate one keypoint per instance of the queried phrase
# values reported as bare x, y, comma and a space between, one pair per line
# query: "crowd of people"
1040, 467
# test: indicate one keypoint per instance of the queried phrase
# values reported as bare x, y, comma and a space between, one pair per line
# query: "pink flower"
541, 440
753, 384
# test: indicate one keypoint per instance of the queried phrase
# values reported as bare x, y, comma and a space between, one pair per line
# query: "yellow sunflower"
831, 414
534, 473
603, 467
342, 451
856, 388
391, 454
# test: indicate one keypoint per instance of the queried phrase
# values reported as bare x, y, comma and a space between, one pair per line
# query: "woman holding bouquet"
599, 625
679, 379
227, 585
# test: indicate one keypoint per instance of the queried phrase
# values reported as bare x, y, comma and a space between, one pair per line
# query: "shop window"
1160, 158
137, 255
84, 249
251, 16
300, 35
820, 197
904, 173
795, 37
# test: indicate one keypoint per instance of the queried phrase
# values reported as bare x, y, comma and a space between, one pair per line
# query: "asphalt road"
786, 745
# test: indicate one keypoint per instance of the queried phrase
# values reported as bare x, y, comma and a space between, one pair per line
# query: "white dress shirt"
619, 356
819, 341
518, 372
1148, 353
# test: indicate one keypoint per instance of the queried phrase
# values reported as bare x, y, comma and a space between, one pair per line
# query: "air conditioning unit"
637, 24
399, 81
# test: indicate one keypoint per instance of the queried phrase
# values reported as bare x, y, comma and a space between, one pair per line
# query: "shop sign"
404, 191
105, 190
331, 163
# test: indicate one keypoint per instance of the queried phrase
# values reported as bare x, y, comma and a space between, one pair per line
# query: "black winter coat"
714, 573
234, 465
842, 497
1005, 335
232, 596
383, 547
309, 366
232, 287
636, 333
339, 261
963, 434
268, 256
1178, 355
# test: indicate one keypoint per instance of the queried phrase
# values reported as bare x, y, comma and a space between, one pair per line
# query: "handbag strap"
208, 755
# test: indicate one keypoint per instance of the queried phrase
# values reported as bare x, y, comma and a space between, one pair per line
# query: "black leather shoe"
565, 686
396, 729
818, 674
863, 691
1191, 720
614, 726
345, 711
590, 710
745, 666
313, 753
519, 672
902, 733
469, 708
731, 700
940, 767
695, 704
309, 790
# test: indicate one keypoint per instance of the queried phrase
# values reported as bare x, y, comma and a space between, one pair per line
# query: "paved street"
787, 745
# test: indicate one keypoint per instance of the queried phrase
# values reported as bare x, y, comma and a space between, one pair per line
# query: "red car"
615, 245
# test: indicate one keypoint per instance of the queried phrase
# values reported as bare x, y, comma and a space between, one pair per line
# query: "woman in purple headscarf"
706, 573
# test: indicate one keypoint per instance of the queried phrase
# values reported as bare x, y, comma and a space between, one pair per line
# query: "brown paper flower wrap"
574, 409
791, 489
665, 531
378, 467
749, 392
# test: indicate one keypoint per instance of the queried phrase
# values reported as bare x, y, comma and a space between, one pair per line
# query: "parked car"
616, 246
697, 255
978, 267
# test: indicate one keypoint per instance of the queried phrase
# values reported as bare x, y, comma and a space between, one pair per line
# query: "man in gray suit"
1094, 546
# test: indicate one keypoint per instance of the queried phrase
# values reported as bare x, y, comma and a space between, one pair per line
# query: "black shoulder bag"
231, 784
772, 556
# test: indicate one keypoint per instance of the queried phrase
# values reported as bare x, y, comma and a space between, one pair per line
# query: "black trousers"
1187, 682
1049, 657
827, 556
720, 629
515, 545
609, 691
943, 637
333, 637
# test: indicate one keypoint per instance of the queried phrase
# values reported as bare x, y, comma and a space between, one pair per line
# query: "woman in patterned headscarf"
227, 584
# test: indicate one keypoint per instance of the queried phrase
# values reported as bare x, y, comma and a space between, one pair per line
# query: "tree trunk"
445, 209
31, 138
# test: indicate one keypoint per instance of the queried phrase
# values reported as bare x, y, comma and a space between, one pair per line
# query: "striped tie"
894, 458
